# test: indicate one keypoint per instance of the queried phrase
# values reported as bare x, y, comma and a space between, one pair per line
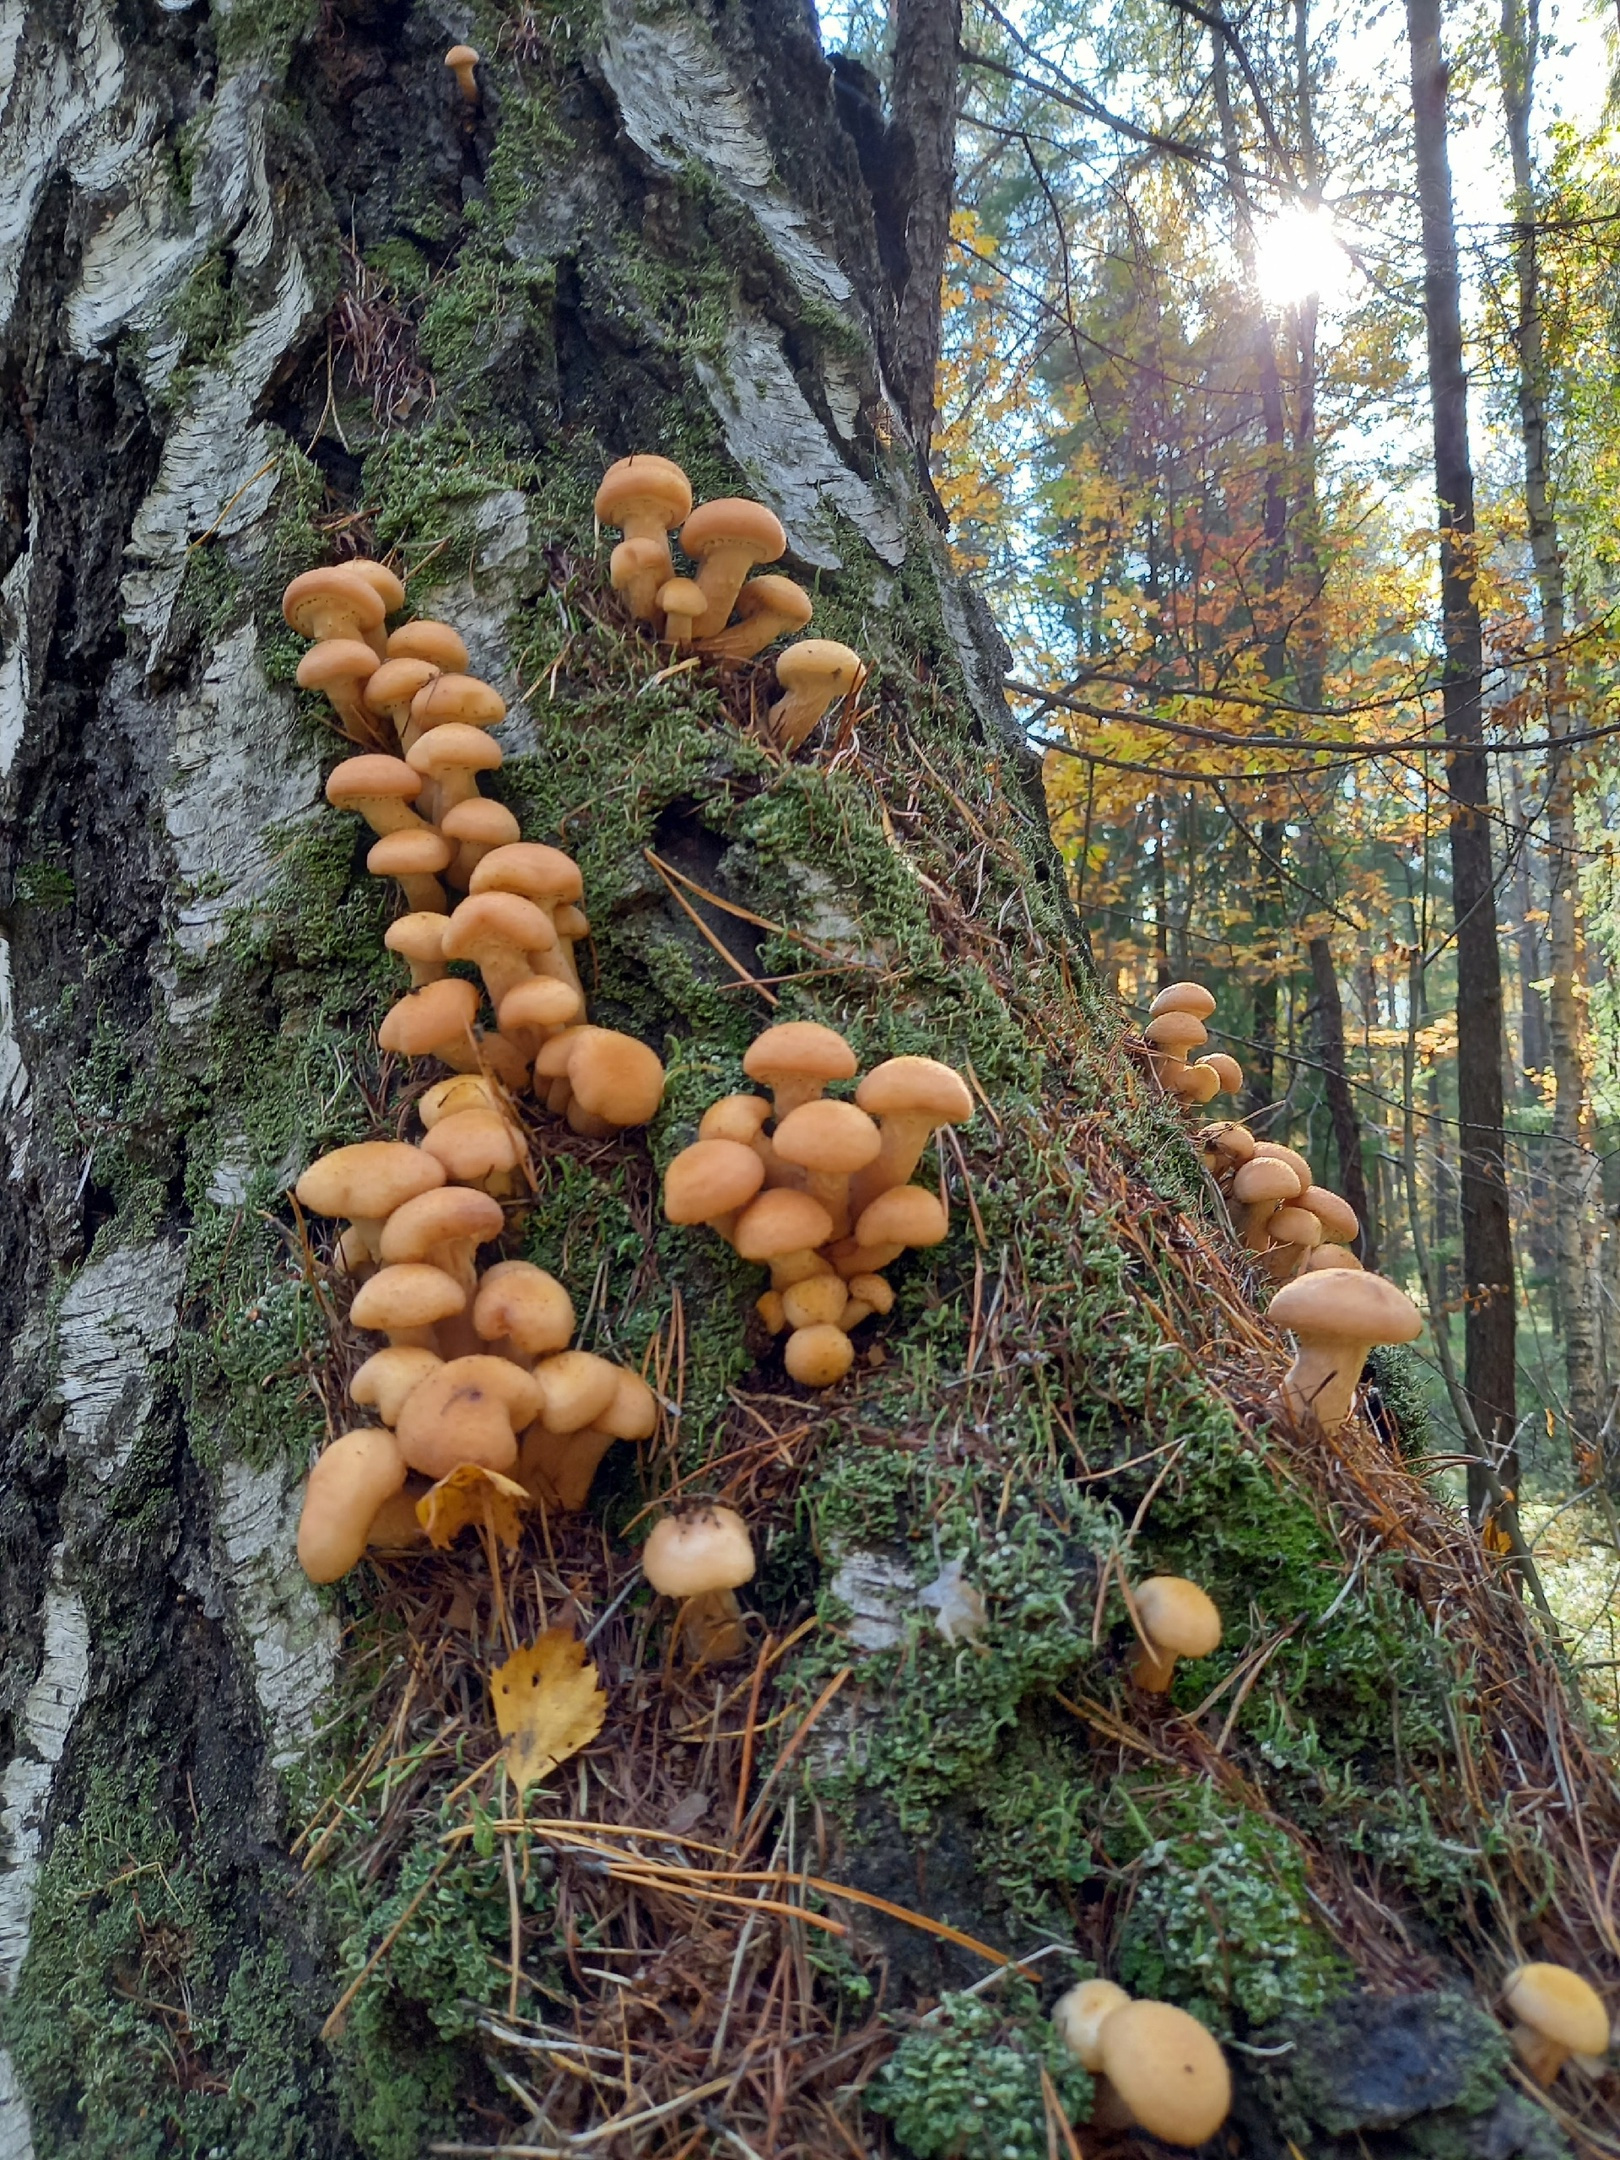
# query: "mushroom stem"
710, 1628
1322, 1381
1153, 1671
1542, 2056
900, 1150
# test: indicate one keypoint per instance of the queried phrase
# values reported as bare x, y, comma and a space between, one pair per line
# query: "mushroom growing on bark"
544, 875
418, 940
451, 758
502, 934
364, 1184
444, 1228
460, 700
414, 859
1228, 1072
341, 667
1180, 1621
812, 673
1335, 1321
1260, 1188
829, 1142
911, 1097
522, 1312
380, 789
711, 1182
479, 1147
795, 1060
435, 1021
726, 539
1294, 1233
766, 608
1340, 1223
477, 826
461, 60
703, 1558
645, 498
1172, 1034
389, 590
405, 1302
1225, 1147
1183, 997
391, 691
434, 642
469, 1411
348, 1484
336, 602
1556, 2014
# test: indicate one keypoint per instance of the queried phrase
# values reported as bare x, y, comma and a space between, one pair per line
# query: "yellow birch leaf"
548, 1705
472, 1494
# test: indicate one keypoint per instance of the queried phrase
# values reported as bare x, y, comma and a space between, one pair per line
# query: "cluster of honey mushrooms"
1299, 1232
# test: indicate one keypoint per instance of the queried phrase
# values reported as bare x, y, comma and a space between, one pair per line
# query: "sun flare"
1298, 255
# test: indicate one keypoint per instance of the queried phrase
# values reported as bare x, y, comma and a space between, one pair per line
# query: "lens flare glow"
1298, 255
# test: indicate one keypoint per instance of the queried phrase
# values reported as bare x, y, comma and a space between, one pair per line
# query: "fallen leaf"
548, 1705
472, 1494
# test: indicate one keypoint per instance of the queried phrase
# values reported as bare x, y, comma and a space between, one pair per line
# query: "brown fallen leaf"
476, 1496
548, 1705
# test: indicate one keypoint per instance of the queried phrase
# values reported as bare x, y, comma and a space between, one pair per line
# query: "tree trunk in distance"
1341, 1103
1491, 1371
1572, 1159
923, 101
229, 1801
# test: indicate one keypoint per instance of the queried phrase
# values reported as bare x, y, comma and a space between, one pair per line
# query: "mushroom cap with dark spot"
688, 1555
643, 486
1168, 2070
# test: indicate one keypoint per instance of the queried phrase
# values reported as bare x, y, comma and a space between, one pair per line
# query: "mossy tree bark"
270, 292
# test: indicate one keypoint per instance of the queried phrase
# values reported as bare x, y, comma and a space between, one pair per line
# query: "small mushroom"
1166, 2072
380, 789
389, 590
865, 1295
639, 569
711, 1182
417, 939
1556, 2014
818, 1356
544, 875
1294, 1233
445, 1229
363, 1184
413, 860
387, 1377
1225, 1147
829, 1141
726, 538
1260, 1187
1274, 1151
744, 1118
795, 1060
1172, 1035
461, 700
434, 642
1179, 1620
1078, 2015
461, 61
396, 1526
911, 1097
704, 1558
450, 758
477, 826
533, 1011
469, 1411
522, 1312
406, 1303
558, 1466
766, 608
1228, 1072
576, 1389
1194, 1084
341, 667
613, 1079
903, 1219
680, 602
1330, 1256
1341, 1225
812, 674
332, 603
644, 497
1335, 1322
500, 933
478, 1147
818, 1301
783, 1228
435, 1021
1183, 997
390, 692
462, 1091
349, 1483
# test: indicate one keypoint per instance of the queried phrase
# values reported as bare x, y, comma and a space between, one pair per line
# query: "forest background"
1184, 438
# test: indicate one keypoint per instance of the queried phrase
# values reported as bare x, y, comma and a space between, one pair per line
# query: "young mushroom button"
726, 538
391, 691
417, 938
380, 789
680, 602
1556, 2014
1179, 1620
812, 674
444, 1228
1335, 1317
911, 1097
1166, 2070
461, 60
905, 1218
414, 859
818, 1356
1260, 1187
784, 1228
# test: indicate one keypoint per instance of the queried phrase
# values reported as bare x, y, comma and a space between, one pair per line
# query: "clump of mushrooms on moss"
721, 611
817, 1188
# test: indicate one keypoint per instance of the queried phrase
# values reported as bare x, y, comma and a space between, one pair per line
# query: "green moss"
264, 30
43, 885
966, 2084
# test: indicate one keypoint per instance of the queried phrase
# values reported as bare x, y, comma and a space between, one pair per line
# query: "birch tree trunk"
272, 293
